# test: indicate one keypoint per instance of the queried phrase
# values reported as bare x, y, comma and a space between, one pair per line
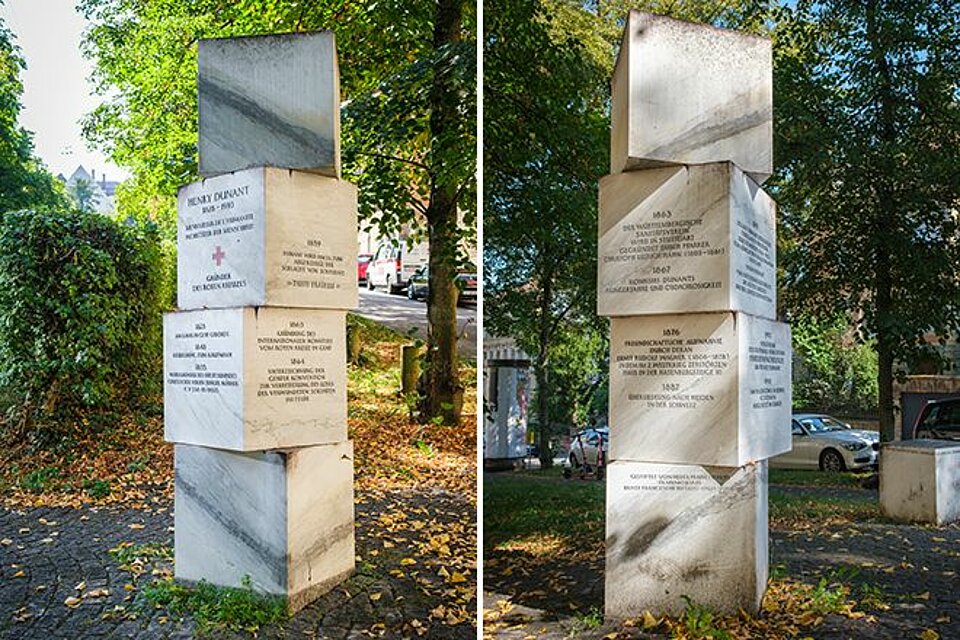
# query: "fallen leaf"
407, 562
73, 602
929, 634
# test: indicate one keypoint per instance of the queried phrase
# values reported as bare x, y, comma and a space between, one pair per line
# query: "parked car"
589, 447
419, 285
823, 442
939, 419
363, 263
394, 263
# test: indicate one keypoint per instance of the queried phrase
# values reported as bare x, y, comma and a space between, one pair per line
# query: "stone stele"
920, 480
686, 239
283, 518
247, 379
707, 388
685, 93
685, 530
267, 237
269, 100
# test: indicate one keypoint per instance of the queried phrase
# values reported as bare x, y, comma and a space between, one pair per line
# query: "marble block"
247, 379
686, 239
269, 100
705, 388
283, 518
685, 93
685, 530
267, 237
920, 480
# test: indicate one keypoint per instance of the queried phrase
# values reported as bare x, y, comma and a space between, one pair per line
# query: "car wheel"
831, 460
391, 287
370, 286
410, 294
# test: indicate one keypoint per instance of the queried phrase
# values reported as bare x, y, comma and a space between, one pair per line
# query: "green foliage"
97, 488
833, 372
79, 315
699, 621
24, 182
214, 607
868, 176
127, 553
36, 481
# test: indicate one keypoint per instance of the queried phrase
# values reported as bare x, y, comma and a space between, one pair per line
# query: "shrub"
79, 315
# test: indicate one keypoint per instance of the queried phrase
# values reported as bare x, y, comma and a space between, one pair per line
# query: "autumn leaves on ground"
838, 569
415, 493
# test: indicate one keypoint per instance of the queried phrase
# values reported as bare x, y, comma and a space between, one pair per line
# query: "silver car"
825, 443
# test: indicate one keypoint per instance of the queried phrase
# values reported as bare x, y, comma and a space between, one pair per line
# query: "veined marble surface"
267, 237
284, 518
686, 239
685, 93
920, 481
269, 100
247, 379
685, 530
700, 388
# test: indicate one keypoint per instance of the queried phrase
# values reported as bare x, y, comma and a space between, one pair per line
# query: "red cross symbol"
219, 255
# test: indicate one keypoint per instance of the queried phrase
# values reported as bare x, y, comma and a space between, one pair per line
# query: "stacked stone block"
699, 366
255, 396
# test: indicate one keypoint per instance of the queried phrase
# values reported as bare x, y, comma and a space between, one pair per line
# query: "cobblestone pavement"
46, 552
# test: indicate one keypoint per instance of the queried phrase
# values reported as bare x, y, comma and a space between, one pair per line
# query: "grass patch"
786, 507
214, 607
810, 478
520, 508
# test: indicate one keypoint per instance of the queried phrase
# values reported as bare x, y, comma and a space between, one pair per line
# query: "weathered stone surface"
685, 93
269, 100
705, 388
283, 518
686, 239
920, 480
247, 379
267, 237
685, 530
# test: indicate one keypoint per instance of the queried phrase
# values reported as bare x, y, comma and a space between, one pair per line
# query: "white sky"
56, 92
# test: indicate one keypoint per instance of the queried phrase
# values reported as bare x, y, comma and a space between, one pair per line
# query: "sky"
57, 93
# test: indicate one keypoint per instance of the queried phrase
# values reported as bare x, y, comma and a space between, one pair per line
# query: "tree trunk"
442, 375
885, 228
543, 382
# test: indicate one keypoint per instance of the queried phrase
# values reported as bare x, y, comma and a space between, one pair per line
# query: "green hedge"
80, 309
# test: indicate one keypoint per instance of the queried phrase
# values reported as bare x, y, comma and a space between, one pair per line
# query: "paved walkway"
46, 553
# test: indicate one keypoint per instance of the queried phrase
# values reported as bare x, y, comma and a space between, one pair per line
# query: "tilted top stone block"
687, 93
269, 100
267, 237
686, 239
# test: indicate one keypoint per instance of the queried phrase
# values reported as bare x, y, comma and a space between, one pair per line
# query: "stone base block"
701, 388
269, 100
685, 530
283, 518
685, 93
249, 379
920, 481
686, 240
267, 237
